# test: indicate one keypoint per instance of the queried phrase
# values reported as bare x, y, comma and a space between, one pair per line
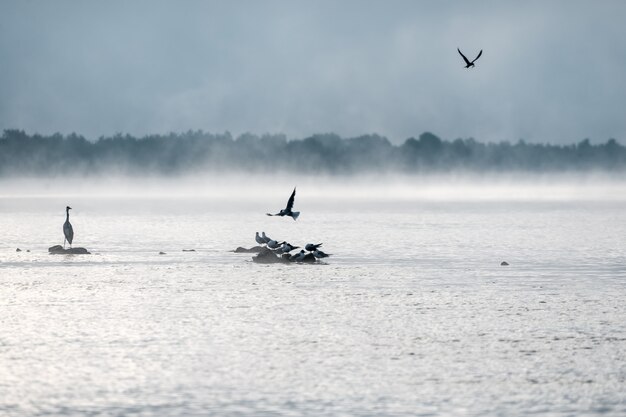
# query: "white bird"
288, 247
319, 254
272, 244
68, 231
259, 239
287, 211
311, 247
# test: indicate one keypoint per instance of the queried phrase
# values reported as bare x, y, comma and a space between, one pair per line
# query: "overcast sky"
551, 71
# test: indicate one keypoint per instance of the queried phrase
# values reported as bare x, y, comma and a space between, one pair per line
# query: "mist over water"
411, 315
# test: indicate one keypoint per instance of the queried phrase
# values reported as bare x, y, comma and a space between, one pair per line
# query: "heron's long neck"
67, 212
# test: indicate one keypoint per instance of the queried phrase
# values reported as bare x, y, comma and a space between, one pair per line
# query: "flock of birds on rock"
283, 248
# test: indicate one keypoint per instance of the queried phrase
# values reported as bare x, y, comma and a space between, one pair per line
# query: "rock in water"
504, 263
18, 250
58, 250
267, 256
255, 249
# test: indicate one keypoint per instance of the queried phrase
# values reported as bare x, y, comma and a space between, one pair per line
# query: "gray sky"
551, 71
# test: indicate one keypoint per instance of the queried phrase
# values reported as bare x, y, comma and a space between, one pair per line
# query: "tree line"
195, 151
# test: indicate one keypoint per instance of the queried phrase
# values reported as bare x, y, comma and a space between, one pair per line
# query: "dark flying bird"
467, 62
68, 231
287, 211
311, 247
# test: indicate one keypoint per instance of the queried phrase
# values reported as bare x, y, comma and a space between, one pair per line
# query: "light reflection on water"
412, 315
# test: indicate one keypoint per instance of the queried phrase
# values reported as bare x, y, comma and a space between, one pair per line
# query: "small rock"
162, 253
18, 250
504, 263
59, 250
189, 250
255, 249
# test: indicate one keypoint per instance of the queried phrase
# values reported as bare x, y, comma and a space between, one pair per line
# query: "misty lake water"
412, 315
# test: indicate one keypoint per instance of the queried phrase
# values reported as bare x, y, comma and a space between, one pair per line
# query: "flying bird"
68, 231
287, 211
311, 247
467, 62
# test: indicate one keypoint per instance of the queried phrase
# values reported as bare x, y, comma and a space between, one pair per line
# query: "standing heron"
68, 231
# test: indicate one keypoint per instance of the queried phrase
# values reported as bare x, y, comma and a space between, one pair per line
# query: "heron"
469, 64
287, 211
68, 230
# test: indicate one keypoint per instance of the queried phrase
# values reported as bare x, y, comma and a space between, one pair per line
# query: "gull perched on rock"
298, 256
287, 211
319, 254
259, 239
272, 244
265, 238
311, 247
288, 247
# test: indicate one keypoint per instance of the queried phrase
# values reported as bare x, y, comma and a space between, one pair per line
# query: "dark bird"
287, 211
288, 247
274, 244
319, 254
467, 62
311, 247
259, 239
68, 231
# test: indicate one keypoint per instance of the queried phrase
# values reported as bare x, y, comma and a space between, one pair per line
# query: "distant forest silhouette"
194, 151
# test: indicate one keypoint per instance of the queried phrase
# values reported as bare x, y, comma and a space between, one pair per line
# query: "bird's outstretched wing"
290, 202
464, 58
478, 56
268, 214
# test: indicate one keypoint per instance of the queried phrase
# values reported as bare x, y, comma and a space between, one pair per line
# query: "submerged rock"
255, 249
267, 256
162, 253
58, 250
18, 250
189, 250
504, 263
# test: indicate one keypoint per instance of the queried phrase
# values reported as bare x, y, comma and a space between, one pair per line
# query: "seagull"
311, 247
467, 62
265, 238
298, 256
287, 210
319, 254
68, 231
272, 244
288, 247
259, 239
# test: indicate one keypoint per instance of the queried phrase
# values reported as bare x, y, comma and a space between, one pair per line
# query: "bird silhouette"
467, 62
68, 231
287, 211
